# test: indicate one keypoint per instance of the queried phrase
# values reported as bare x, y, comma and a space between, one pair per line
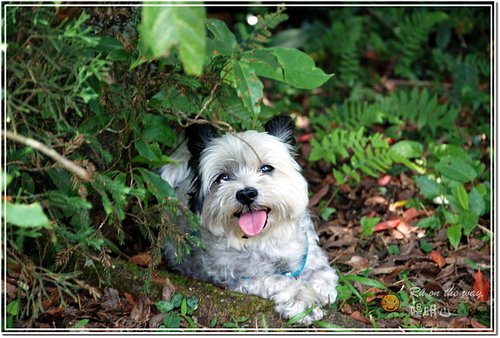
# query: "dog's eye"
266, 168
222, 177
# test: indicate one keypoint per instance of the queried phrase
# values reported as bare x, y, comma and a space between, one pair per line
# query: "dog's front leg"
290, 295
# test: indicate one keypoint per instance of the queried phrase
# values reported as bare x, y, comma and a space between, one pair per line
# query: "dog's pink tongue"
253, 222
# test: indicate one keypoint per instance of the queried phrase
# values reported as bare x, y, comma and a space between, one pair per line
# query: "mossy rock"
216, 304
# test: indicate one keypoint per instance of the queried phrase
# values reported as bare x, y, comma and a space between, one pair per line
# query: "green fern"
418, 107
413, 32
359, 154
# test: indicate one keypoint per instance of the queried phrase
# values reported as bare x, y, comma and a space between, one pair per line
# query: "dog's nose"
247, 195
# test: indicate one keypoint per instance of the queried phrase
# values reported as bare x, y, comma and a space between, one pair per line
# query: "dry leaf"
437, 258
356, 315
141, 309
387, 225
481, 287
142, 259
168, 290
358, 262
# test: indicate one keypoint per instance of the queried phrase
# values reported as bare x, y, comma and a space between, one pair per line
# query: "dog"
258, 233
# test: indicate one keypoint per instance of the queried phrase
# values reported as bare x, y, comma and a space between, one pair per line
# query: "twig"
63, 161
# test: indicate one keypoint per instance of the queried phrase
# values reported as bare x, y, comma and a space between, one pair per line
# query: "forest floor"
446, 289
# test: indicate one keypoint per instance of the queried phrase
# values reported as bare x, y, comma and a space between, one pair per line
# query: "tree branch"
63, 161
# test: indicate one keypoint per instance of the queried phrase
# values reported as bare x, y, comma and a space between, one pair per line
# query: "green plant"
176, 308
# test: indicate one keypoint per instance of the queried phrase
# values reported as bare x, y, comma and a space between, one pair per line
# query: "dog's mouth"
253, 222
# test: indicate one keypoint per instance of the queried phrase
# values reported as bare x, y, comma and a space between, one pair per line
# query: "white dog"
252, 199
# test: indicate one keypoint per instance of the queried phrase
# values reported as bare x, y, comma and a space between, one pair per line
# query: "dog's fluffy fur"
211, 175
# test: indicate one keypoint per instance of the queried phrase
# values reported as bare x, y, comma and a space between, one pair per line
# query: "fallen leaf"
141, 309
358, 262
156, 320
142, 259
437, 258
387, 225
129, 298
396, 205
411, 214
384, 180
111, 299
356, 315
404, 228
374, 200
373, 293
168, 290
481, 287
319, 194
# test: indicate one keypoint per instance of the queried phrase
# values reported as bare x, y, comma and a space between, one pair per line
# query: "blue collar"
302, 266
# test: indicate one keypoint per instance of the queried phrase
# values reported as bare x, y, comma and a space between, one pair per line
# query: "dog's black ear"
198, 136
282, 127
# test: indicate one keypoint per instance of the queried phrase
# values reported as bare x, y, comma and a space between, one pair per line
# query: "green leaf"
425, 246
431, 222
184, 307
408, 149
156, 185
298, 68
454, 233
456, 169
26, 215
367, 225
476, 202
13, 307
172, 320
468, 220
223, 41
264, 64
192, 304
393, 249
157, 128
81, 323
298, 317
460, 194
163, 27
428, 187
366, 281
248, 86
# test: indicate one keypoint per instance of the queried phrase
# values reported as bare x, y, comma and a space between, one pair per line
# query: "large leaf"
248, 86
428, 187
408, 149
456, 169
164, 27
468, 220
264, 64
299, 69
222, 41
26, 215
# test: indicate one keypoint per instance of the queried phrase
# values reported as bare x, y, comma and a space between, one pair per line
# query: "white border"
273, 331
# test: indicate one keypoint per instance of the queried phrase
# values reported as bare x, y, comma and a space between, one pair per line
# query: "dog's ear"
198, 136
282, 127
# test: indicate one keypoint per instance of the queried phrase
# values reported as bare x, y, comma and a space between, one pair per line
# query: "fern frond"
413, 32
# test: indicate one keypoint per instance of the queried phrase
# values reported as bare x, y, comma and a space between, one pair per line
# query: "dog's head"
246, 184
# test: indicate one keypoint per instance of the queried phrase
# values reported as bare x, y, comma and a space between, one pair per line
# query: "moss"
214, 302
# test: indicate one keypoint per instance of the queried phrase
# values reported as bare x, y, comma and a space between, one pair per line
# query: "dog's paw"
303, 298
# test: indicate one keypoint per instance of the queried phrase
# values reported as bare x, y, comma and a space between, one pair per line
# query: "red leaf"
437, 258
410, 214
387, 225
384, 180
481, 287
